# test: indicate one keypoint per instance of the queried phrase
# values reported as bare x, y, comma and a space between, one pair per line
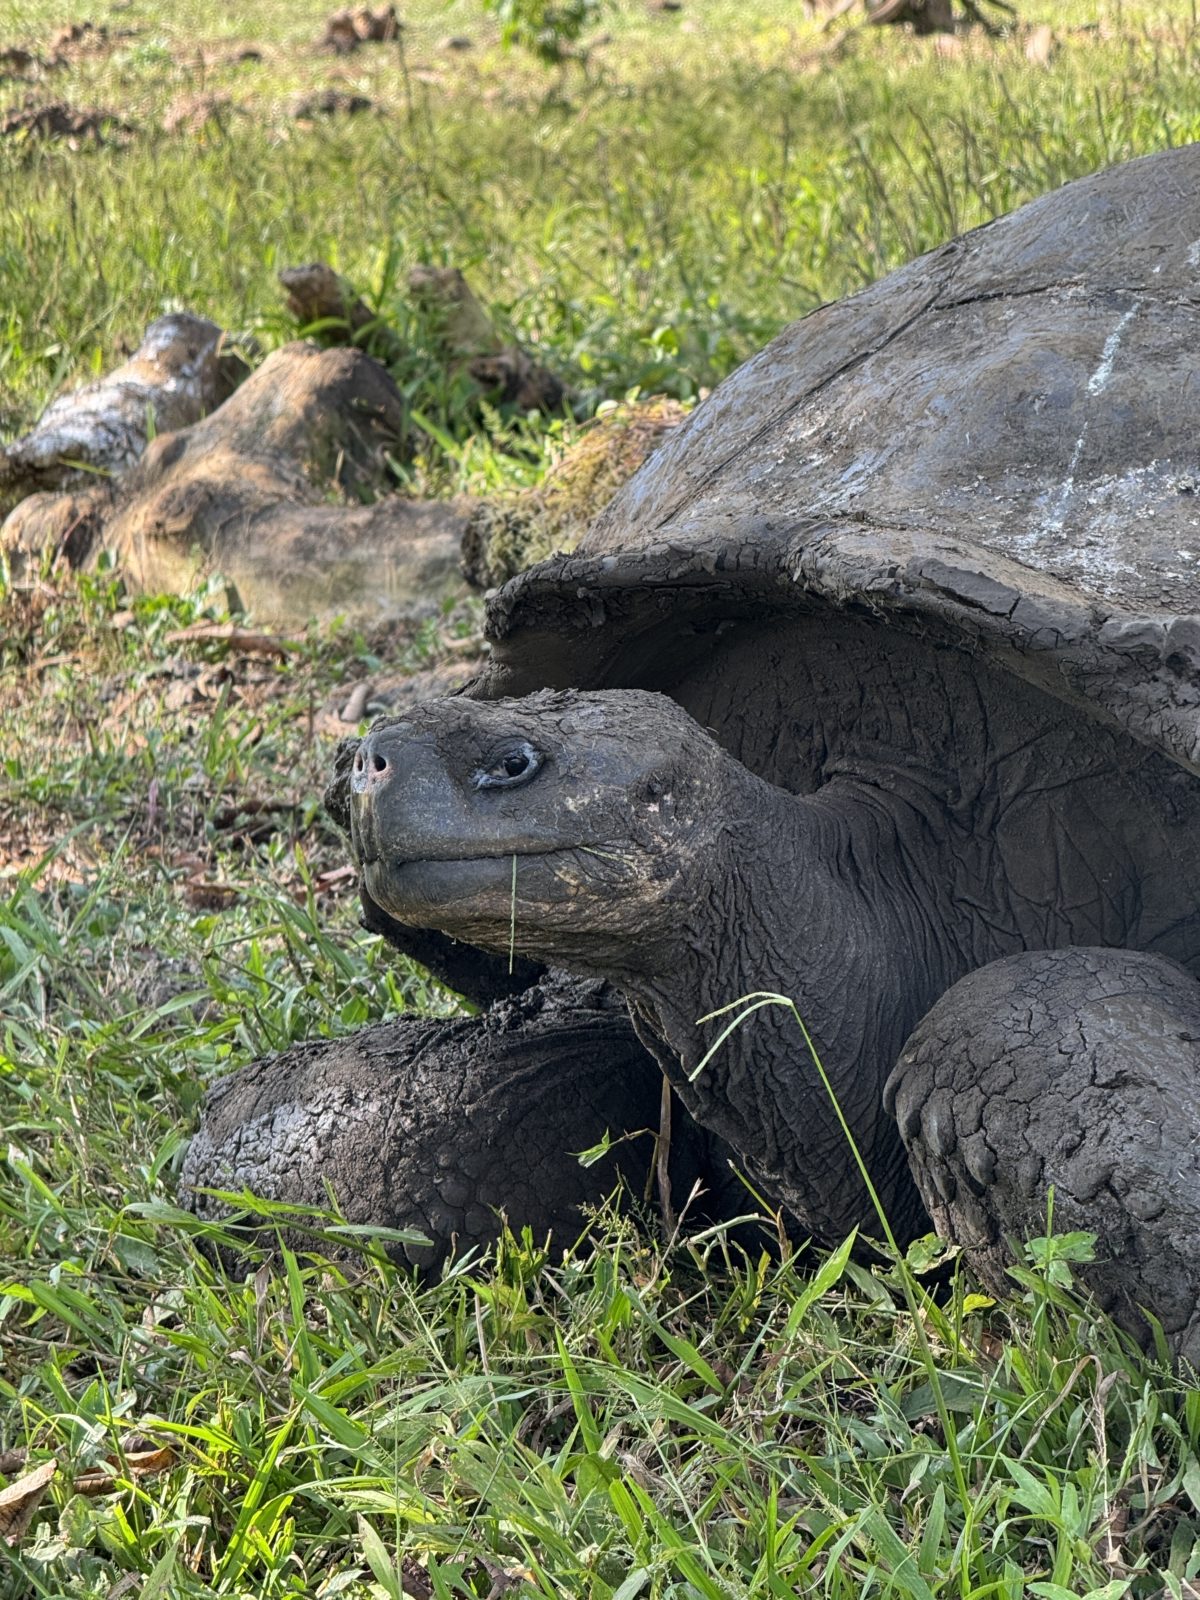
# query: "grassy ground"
632, 1421
715, 173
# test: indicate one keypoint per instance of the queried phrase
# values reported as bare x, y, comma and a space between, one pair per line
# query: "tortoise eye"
512, 767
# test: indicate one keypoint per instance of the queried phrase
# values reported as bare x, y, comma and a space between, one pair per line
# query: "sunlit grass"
627, 1421
650, 225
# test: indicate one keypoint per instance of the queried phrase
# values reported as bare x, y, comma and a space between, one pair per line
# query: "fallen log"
183, 367
283, 491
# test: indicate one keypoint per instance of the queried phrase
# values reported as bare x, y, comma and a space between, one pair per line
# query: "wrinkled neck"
826, 901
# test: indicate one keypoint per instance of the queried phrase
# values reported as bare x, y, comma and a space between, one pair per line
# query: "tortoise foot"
1080, 1069
449, 1127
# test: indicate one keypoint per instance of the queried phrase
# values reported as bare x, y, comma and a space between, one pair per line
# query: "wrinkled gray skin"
452, 1129
448, 1127
644, 855
609, 834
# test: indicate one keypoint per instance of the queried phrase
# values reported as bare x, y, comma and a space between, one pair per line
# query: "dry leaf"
20, 1500
414, 1580
991, 1347
505, 1578
208, 896
331, 882
138, 1464
194, 865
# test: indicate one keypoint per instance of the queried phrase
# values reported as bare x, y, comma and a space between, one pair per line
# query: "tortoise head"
567, 826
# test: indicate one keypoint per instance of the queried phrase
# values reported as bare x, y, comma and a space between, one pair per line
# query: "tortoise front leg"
444, 1126
1077, 1068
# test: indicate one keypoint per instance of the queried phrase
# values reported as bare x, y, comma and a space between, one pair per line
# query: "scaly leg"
439, 1126
1077, 1068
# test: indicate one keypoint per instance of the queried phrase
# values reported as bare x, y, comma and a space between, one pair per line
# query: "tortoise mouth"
393, 862
418, 884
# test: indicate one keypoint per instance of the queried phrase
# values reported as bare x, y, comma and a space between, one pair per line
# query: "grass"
628, 1419
649, 224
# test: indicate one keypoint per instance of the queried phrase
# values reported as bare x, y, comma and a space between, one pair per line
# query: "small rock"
456, 41
356, 706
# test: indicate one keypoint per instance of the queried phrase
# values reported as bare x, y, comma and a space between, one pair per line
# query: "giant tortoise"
878, 688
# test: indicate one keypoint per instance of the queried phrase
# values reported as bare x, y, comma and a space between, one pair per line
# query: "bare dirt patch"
196, 113
63, 48
18, 62
76, 39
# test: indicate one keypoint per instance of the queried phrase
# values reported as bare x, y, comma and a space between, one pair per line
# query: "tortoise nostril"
371, 766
